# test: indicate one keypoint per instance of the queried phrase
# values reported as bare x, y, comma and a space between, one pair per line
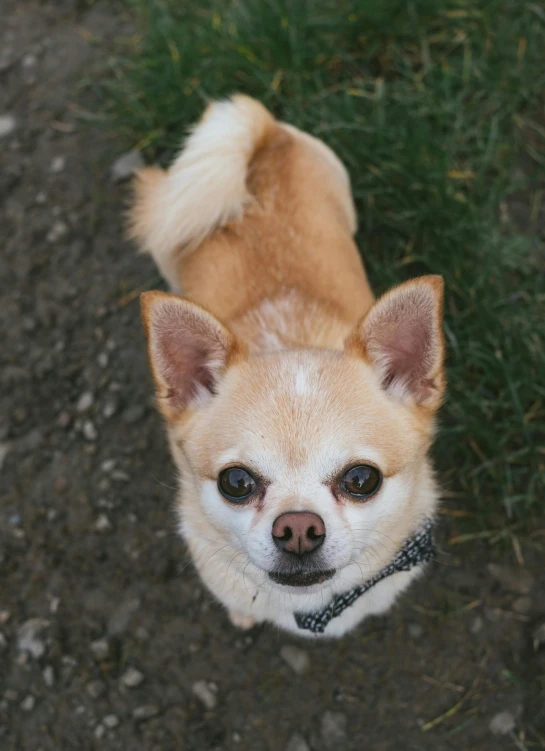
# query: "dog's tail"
174, 211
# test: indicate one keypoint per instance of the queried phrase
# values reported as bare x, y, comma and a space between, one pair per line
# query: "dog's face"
309, 465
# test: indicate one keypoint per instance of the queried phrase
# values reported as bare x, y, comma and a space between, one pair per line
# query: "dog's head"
307, 464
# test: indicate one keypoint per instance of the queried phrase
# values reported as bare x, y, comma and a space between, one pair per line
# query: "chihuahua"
299, 410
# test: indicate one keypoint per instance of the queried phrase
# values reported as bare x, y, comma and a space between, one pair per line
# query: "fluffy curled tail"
175, 210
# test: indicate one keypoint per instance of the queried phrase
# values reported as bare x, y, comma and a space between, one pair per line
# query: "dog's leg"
241, 621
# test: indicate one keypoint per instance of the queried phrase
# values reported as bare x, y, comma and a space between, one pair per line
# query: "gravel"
100, 649
145, 712
333, 729
502, 723
85, 402
297, 743
296, 658
28, 704
132, 678
126, 165
28, 637
518, 580
206, 693
7, 125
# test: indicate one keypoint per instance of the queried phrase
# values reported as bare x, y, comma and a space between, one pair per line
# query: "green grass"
437, 110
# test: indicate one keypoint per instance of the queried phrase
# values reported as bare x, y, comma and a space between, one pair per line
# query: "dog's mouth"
301, 578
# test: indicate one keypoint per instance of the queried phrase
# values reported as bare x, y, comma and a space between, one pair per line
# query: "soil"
95, 584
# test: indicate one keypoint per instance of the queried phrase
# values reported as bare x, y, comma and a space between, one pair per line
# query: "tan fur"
303, 387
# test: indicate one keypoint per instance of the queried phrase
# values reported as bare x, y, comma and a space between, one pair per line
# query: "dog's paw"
242, 621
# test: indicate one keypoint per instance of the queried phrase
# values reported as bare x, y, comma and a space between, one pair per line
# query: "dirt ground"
107, 639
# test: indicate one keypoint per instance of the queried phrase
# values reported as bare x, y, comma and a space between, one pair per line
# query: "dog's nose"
298, 532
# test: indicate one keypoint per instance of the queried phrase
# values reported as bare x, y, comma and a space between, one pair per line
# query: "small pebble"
58, 163
538, 636
64, 420
132, 678
111, 721
7, 125
48, 676
102, 524
4, 448
100, 648
27, 637
29, 60
27, 705
502, 723
145, 712
95, 689
126, 165
133, 414
60, 485
85, 402
57, 231
89, 431
107, 465
518, 580
99, 732
333, 728
110, 408
522, 605
415, 630
41, 197
296, 658
103, 359
297, 743
206, 693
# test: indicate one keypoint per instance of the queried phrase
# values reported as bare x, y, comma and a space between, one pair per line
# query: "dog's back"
250, 210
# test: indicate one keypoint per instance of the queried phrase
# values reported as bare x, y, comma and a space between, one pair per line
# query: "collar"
417, 549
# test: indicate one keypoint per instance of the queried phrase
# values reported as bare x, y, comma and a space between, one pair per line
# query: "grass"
437, 109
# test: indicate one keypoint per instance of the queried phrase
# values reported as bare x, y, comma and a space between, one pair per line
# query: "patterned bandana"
418, 549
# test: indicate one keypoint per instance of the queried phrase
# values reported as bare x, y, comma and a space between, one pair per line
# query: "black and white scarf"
417, 549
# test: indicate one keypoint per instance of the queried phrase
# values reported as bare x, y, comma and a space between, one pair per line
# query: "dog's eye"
362, 481
236, 484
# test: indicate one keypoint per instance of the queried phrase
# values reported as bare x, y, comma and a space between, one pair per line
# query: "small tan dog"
299, 411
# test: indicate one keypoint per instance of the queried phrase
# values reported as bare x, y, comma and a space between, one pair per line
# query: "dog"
299, 410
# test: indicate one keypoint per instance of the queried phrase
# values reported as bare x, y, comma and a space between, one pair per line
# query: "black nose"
298, 532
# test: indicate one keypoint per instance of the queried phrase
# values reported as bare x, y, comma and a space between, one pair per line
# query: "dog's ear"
401, 337
189, 350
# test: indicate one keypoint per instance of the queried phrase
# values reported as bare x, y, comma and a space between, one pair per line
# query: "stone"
206, 693
415, 630
110, 721
333, 729
4, 448
27, 637
102, 523
297, 743
58, 163
126, 165
476, 625
100, 649
89, 431
48, 676
58, 230
538, 636
64, 420
85, 402
145, 712
7, 125
502, 723
296, 658
133, 414
95, 689
132, 678
28, 704
522, 605
518, 580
